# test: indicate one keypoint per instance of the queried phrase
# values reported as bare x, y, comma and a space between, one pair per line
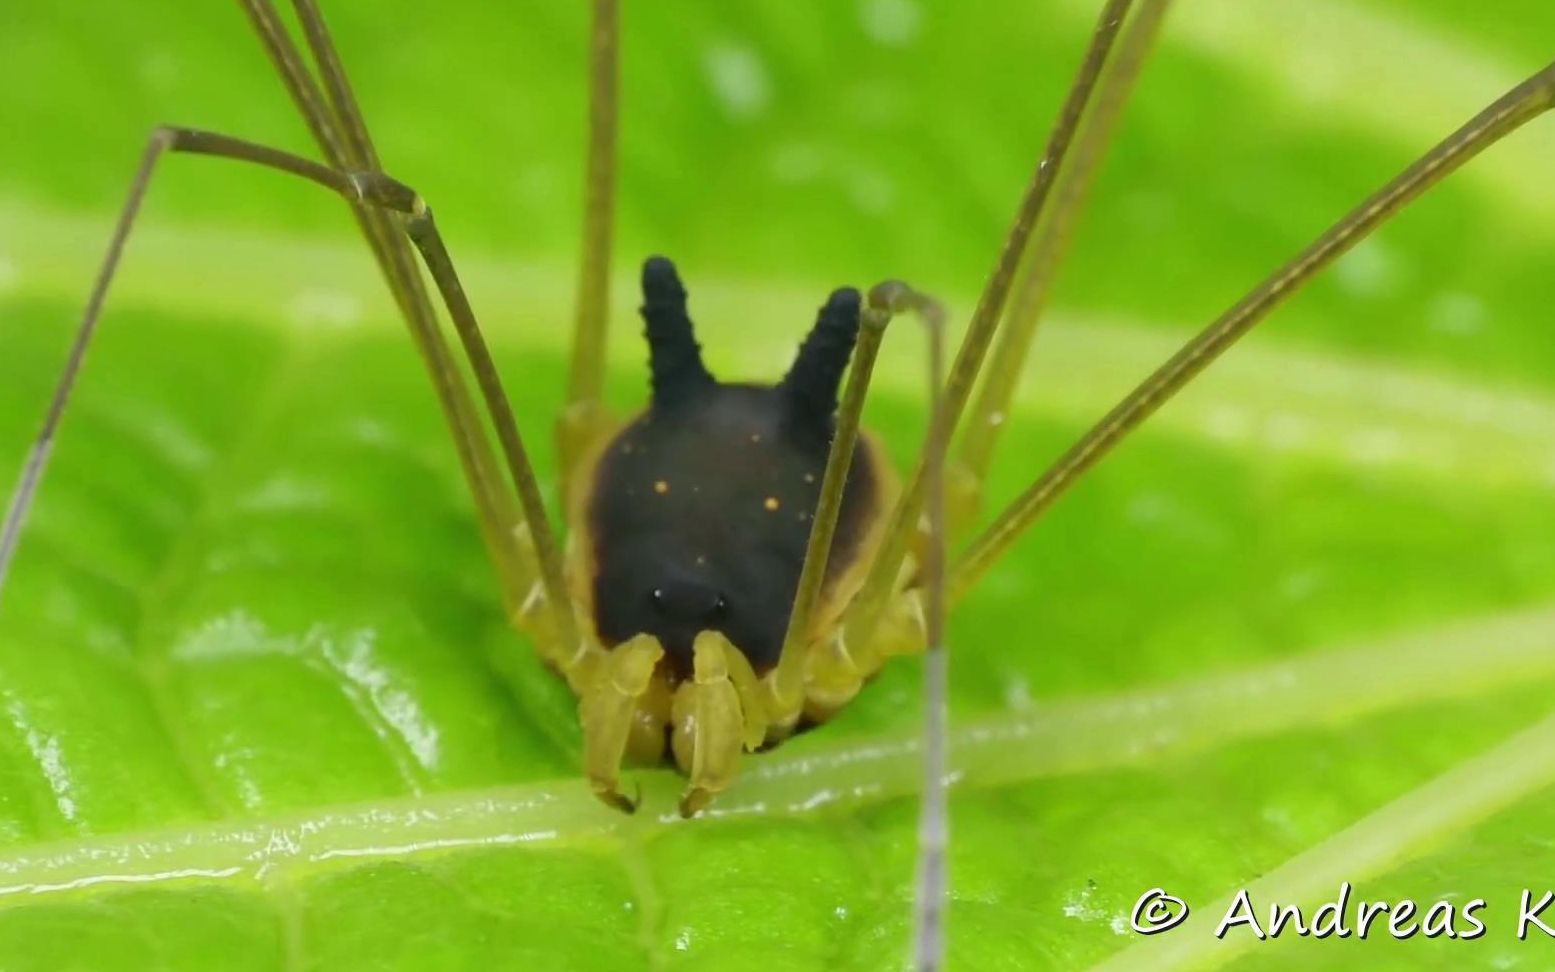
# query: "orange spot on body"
661, 487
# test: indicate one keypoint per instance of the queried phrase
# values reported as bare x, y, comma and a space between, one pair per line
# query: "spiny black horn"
811, 384
673, 353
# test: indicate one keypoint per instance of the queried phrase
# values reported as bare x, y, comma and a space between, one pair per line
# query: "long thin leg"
581, 419
985, 420
422, 229
933, 885
821, 676
38, 458
1523, 103
788, 683
356, 142
341, 134
862, 617
560, 634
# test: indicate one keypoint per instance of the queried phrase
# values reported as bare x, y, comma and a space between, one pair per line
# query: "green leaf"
258, 705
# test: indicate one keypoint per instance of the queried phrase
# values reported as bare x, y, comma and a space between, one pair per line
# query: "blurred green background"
252, 592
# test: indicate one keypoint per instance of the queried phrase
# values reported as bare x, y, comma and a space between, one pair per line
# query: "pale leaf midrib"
1425, 817
1473, 659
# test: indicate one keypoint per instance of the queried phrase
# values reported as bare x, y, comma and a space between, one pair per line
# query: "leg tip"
617, 800
694, 801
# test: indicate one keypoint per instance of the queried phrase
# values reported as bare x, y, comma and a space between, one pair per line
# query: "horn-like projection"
673, 353
811, 384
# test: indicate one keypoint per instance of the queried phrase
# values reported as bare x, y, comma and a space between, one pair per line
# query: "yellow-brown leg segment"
836, 669
512, 524
1045, 249
608, 709
718, 713
584, 418
1506, 114
903, 530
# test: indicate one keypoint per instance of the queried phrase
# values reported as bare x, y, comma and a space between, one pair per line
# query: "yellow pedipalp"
748, 688
608, 711
711, 725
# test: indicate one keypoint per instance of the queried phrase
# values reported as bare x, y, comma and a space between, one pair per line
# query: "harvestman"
695, 669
